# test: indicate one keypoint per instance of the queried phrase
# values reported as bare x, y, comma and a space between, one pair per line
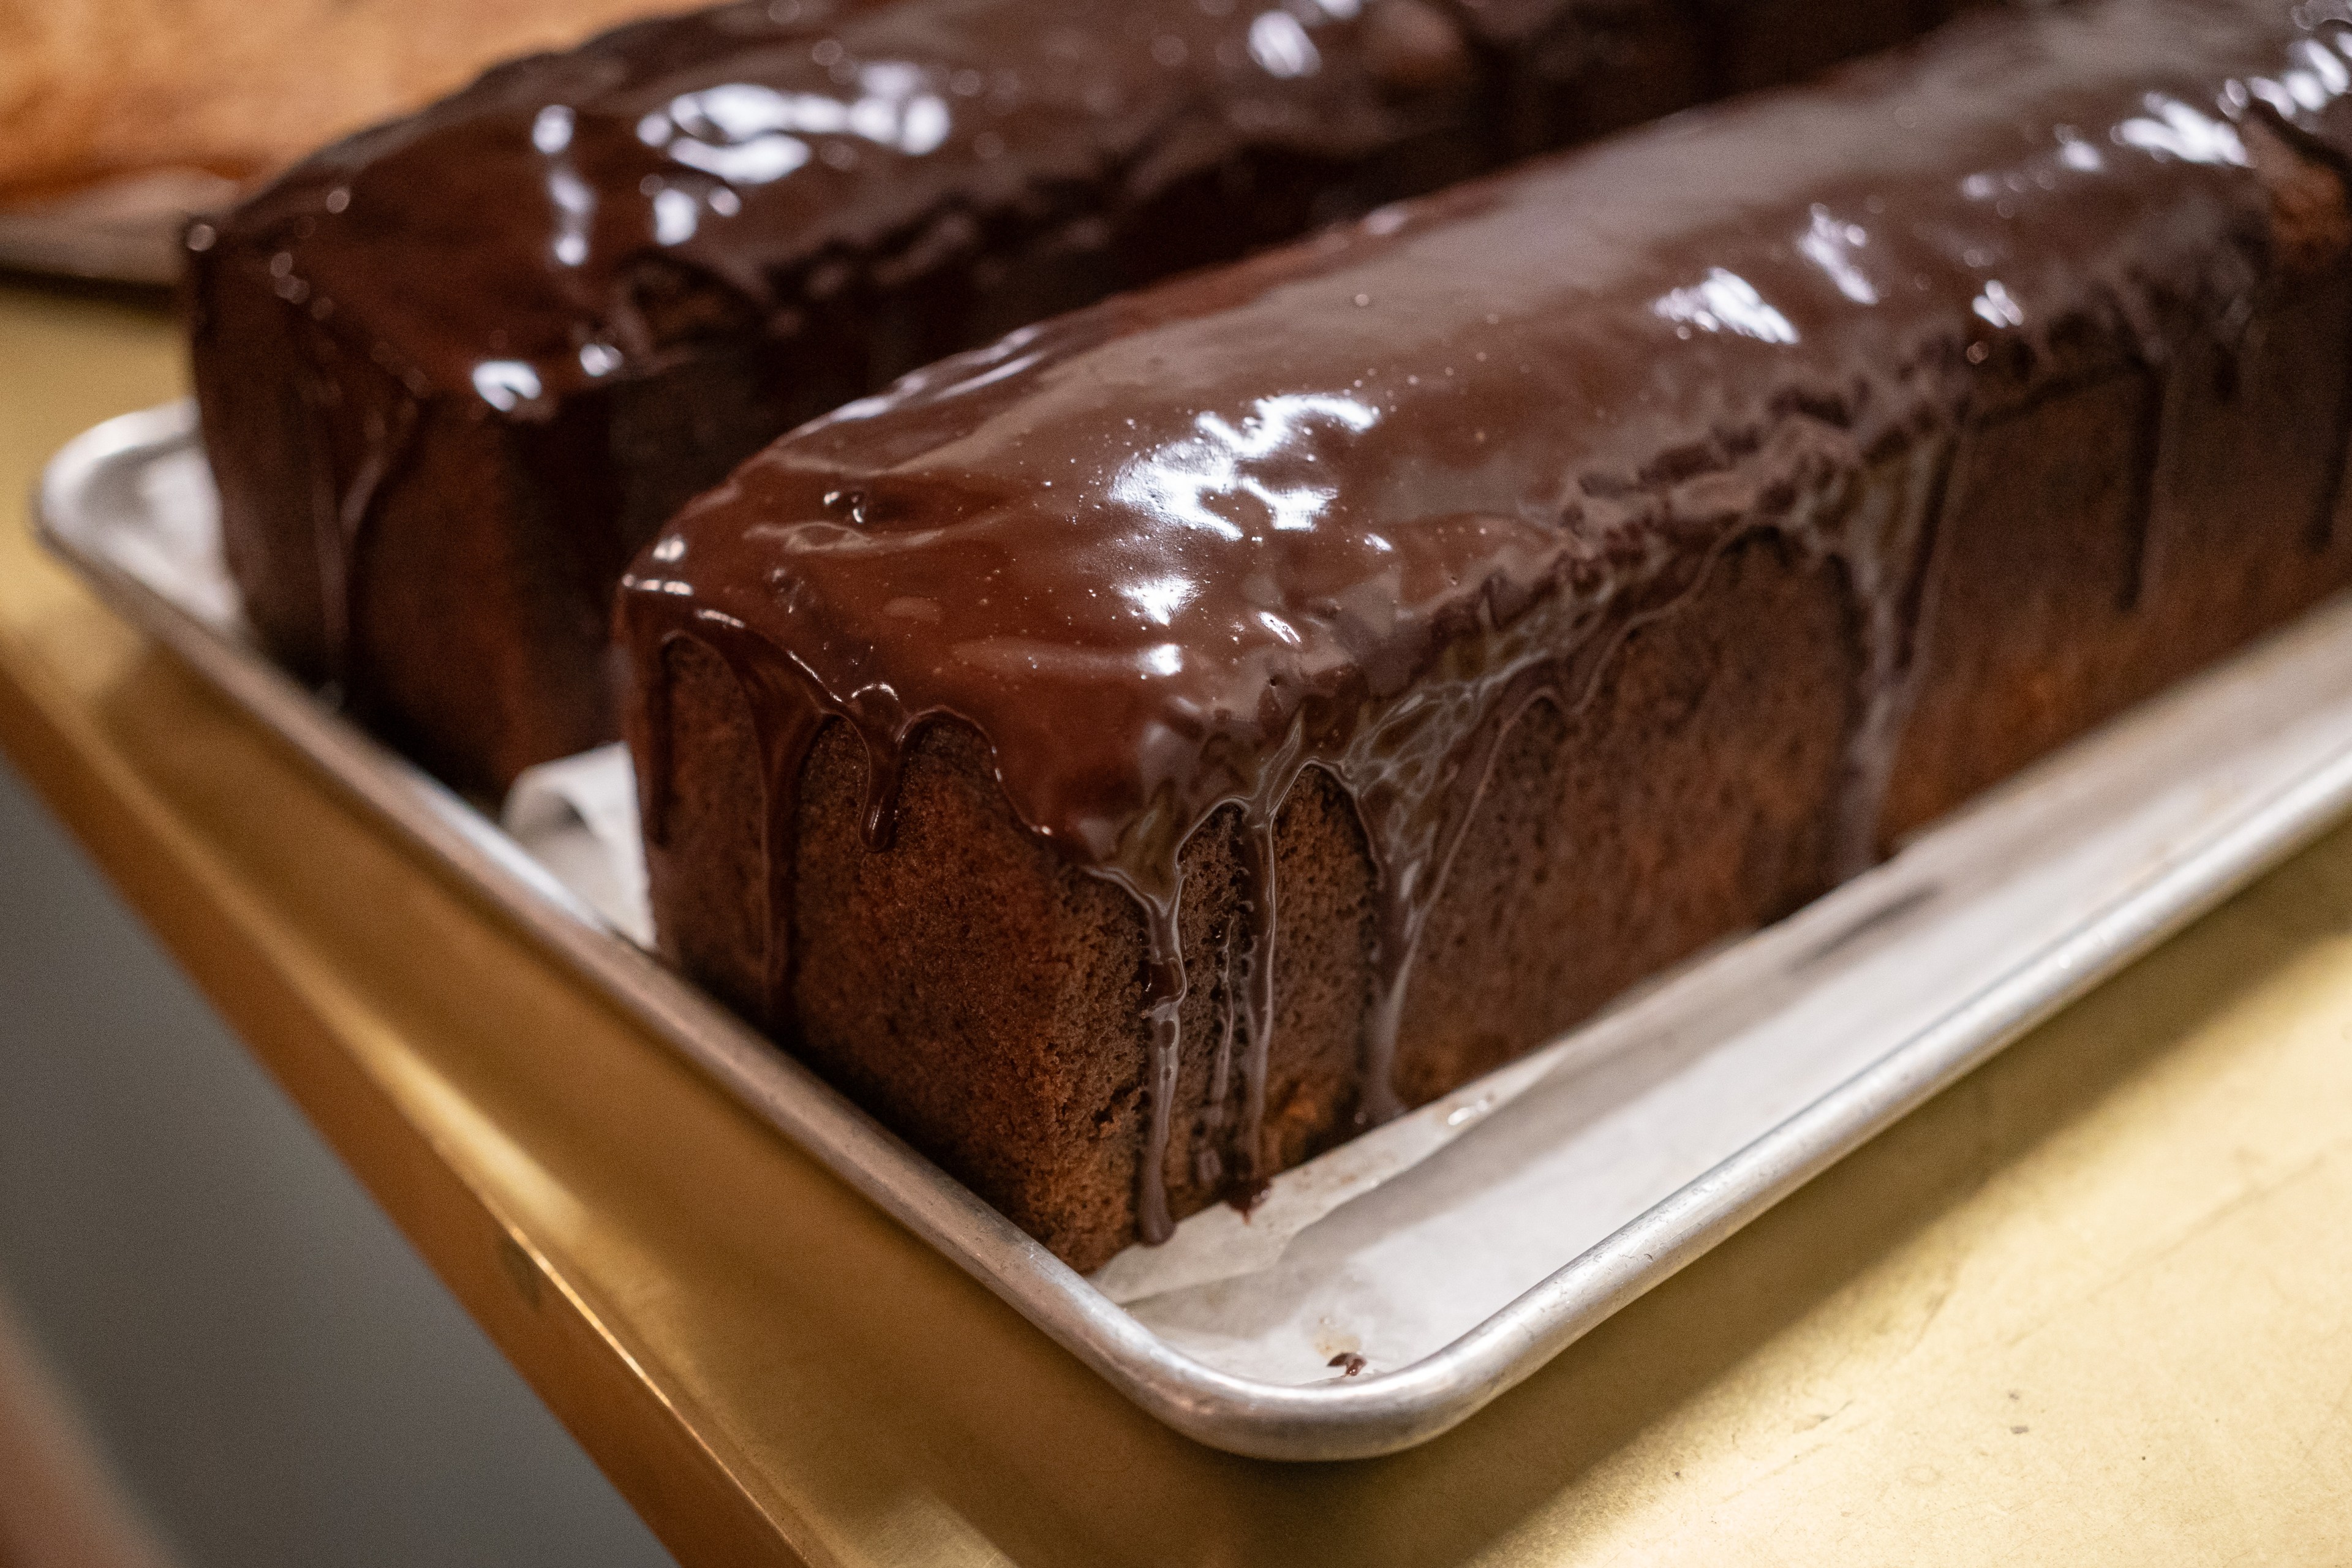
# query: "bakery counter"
2097, 1297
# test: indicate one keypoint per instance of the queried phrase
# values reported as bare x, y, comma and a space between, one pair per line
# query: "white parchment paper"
578, 818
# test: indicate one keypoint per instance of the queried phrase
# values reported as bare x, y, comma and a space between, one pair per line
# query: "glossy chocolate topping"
777, 206
611, 274
1353, 504
493, 243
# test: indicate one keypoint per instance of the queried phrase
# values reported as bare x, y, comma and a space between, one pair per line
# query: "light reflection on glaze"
1157, 599
747, 134
1996, 306
551, 130
503, 383
575, 207
2078, 154
2334, 80
1279, 44
2177, 130
2315, 79
1488, 504
760, 160
1726, 302
676, 216
573, 201
1175, 483
1832, 245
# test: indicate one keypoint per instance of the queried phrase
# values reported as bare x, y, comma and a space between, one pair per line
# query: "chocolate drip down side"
1360, 505
1414, 784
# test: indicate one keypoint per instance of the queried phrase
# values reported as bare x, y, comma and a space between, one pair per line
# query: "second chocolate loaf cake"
455, 370
1132, 758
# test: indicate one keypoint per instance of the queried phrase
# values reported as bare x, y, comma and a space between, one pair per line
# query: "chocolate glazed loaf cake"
453, 372
1131, 758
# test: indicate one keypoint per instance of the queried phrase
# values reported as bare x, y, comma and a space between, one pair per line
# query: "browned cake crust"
2128, 525
1818, 634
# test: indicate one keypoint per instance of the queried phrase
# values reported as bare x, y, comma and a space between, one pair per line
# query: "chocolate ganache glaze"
1352, 505
752, 144
590, 283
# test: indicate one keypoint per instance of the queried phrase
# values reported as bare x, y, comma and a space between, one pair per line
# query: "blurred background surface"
196, 1295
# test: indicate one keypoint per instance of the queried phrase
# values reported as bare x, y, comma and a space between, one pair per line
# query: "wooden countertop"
2093, 1304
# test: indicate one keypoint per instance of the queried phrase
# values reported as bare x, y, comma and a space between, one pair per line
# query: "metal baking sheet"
125, 230
1641, 1140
